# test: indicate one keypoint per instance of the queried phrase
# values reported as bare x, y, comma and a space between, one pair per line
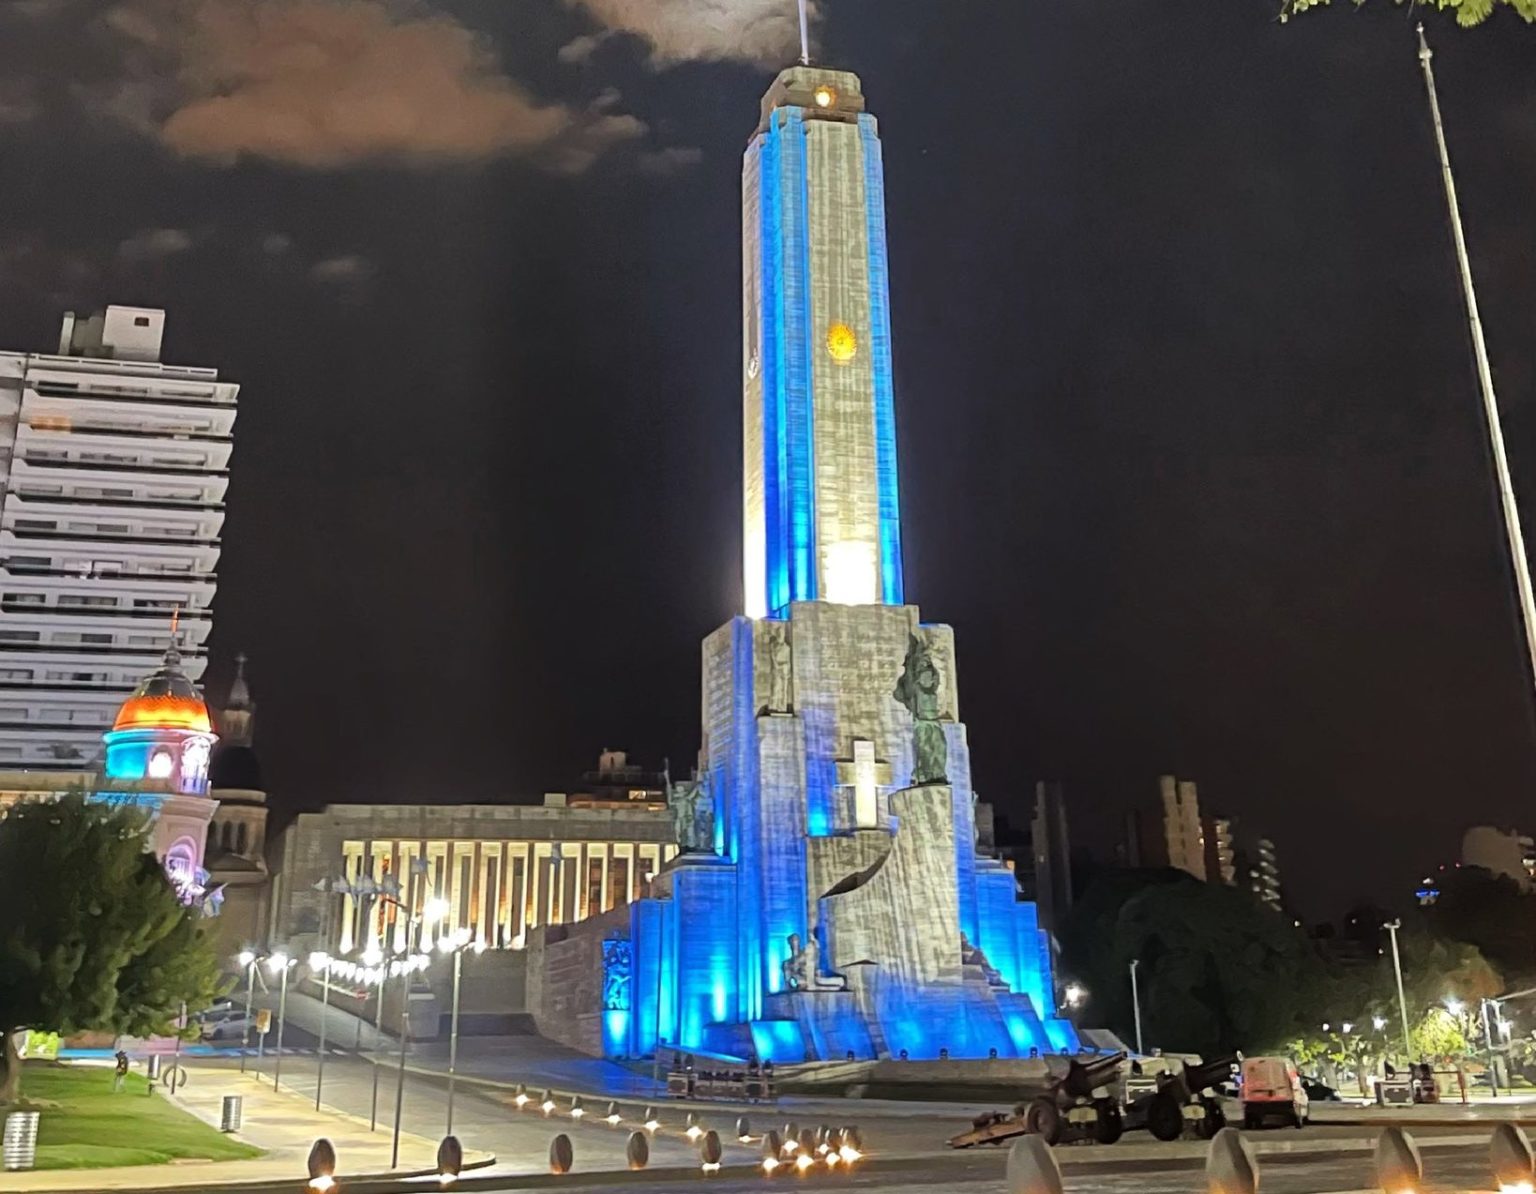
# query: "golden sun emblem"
842, 344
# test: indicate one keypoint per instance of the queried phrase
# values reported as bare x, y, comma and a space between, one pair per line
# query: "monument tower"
829, 899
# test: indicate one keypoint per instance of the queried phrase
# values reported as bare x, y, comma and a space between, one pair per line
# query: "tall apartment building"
113, 468
1171, 834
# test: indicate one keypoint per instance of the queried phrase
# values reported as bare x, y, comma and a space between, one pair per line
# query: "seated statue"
802, 969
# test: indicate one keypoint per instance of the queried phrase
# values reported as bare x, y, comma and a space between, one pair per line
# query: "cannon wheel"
1109, 1125
1165, 1118
1043, 1119
1215, 1119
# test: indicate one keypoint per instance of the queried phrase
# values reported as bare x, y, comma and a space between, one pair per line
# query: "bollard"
805, 1149
613, 1117
710, 1152
1032, 1168
638, 1151
20, 1140
322, 1165
547, 1103
791, 1136
651, 1122
1230, 1166
231, 1112
773, 1146
561, 1155
521, 1097
1399, 1168
823, 1139
1509, 1153
852, 1138
743, 1129
691, 1128
577, 1110
450, 1160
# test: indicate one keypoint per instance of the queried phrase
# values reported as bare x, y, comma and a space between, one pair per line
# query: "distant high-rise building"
113, 468
1506, 852
1052, 849
1169, 835
1259, 871
1220, 856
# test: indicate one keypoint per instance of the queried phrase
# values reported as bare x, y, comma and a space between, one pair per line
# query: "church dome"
165, 700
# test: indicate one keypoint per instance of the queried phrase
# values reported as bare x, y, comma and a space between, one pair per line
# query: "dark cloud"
764, 31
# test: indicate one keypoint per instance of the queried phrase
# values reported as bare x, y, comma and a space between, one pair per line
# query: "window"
20, 636
99, 639
141, 321
12, 674
78, 599
25, 599
36, 524
23, 563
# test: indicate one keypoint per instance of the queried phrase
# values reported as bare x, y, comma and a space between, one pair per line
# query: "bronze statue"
918, 690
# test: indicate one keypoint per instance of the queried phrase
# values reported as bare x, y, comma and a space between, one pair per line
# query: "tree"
1468, 12
1491, 912
93, 937
1217, 971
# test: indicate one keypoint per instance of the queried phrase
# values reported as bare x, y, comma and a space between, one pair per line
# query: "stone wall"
565, 979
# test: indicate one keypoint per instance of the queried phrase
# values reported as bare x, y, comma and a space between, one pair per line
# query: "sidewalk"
282, 1122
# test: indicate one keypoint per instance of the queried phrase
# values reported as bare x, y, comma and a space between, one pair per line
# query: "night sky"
1192, 453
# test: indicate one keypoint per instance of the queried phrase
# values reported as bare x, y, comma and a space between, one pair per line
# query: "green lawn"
85, 1125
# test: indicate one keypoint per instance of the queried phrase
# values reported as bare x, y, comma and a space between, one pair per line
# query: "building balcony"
124, 580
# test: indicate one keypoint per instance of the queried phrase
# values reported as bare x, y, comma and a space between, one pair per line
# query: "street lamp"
1075, 995
373, 958
1136, 1005
279, 963
248, 958
1392, 927
322, 961
1455, 1006
456, 945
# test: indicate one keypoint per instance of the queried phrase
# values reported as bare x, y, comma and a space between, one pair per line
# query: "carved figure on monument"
918, 690
802, 969
780, 665
970, 955
618, 959
692, 805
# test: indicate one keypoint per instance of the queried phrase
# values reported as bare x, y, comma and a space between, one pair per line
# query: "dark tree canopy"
1491, 912
1468, 12
1218, 971
92, 934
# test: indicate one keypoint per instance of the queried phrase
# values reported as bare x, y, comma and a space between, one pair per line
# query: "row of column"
494, 890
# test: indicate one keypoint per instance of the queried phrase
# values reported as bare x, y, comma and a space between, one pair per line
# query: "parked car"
232, 1027
1273, 1091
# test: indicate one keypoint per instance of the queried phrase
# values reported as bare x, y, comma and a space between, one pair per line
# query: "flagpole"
1515, 537
805, 34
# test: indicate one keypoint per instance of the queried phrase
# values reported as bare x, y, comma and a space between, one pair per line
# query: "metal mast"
1484, 373
805, 34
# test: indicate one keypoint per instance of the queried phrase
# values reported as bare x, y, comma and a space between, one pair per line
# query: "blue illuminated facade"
837, 904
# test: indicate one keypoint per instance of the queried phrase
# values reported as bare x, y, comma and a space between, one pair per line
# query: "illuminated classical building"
113, 468
500, 870
830, 900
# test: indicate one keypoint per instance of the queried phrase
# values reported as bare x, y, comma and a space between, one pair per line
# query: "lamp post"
322, 962
373, 958
1136, 1005
280, 963
456, 945
1402, 1000
1493, 1076
248, 958
413, 921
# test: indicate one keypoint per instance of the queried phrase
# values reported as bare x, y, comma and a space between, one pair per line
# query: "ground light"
322, 1166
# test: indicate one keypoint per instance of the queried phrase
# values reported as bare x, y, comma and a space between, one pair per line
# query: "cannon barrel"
1208, 1073
1082, 1079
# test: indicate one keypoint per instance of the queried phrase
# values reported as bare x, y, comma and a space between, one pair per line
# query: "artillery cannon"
1182, 1103
1083, 1104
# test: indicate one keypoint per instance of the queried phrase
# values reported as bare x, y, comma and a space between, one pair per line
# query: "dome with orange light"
165, 700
